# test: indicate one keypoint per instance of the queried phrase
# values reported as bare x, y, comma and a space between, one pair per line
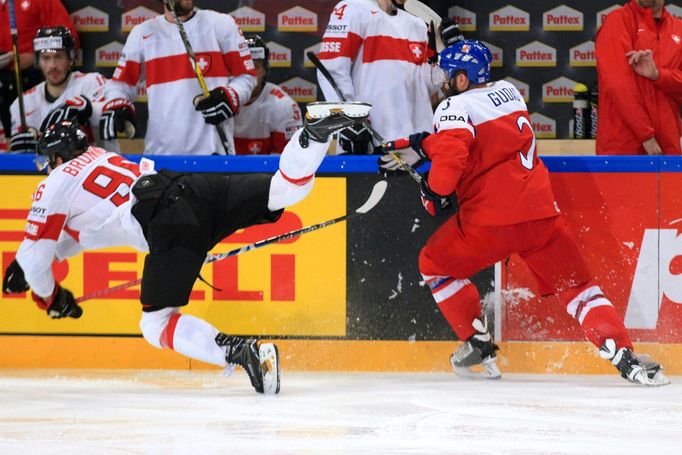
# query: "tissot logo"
562, 18
543, 127
249, 19
108, 54
90, 19
536, 54
559, 90
464, 18
300, 90
297, 19
136, 16
280, 56
509, 19
583, 55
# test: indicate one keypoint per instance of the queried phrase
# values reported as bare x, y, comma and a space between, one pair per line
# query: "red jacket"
31, 15
633, 109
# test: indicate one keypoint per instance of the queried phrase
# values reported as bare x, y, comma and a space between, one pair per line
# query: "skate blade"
485, 370
658, 380
322, 109
269, 364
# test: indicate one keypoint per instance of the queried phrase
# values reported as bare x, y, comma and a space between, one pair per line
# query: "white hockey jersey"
37, 106
380, 59
154, 51
264, 126
83, 204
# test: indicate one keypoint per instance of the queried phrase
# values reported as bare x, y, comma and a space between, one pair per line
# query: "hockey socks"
458, 300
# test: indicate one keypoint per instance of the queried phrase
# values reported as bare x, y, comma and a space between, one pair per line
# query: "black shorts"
208, 208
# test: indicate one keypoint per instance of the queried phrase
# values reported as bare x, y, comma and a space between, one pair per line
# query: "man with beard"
65, 94
181, 119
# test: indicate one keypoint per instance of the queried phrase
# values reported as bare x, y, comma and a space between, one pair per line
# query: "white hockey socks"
294, 179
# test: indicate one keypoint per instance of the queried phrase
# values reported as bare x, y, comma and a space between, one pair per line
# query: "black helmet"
259, 50
63, 139
50, 39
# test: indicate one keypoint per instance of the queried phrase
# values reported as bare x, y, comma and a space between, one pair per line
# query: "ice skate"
323, 119
259, 360
638, 369
476, 357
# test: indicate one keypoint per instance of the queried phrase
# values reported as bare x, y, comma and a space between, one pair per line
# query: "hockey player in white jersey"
181, 120
92, 198
380, 54
270, 117
64, 93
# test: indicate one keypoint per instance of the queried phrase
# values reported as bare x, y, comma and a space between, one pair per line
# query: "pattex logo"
249, 19
90, 19
297, 19
562, 18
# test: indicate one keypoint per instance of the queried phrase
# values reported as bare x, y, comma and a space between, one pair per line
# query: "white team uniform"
154, 51
380, 59
82, 204
265, 126
37, 106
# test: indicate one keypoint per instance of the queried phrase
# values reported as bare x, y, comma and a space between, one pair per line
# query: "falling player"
484, 151
92, 198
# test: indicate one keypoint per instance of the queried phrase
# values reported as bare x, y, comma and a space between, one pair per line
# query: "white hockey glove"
25, 142
118, 116
414, 156
221, 104
78, 108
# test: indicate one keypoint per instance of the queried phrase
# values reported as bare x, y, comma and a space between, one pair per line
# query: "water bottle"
581, 111
594, 114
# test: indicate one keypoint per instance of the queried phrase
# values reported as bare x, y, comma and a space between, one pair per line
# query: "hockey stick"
327, 75
423, 12
378, 192
197, 71
17, 69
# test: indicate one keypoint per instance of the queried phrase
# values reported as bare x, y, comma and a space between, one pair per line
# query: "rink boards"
348, 297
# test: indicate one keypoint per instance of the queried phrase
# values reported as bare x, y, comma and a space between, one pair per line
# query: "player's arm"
617, 79
287, 121
670, 82
339, 49
224, 102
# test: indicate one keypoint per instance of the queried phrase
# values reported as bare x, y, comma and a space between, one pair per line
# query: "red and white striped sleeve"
129, 68
236, 56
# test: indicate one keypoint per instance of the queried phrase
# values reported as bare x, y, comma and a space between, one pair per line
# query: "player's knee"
154, 323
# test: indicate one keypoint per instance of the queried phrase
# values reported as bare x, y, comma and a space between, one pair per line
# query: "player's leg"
304, 153
559, 268
450, 256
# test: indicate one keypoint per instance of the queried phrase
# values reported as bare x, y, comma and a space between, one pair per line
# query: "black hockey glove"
78, 108
221, 104
26, 142
60, 304
414, 155
356, 140
118, 116
14, 281
449, 31
434, 203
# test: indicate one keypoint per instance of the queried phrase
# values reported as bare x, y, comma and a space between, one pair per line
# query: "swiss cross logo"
255, 147
676, 38
417, 51
204, 62
25, 5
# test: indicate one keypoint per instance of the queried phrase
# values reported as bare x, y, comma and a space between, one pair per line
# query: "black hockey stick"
17, 68
197, 70
377, 193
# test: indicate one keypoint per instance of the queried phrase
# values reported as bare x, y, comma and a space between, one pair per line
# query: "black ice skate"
323, 119
259, 360
476, 357
638, 369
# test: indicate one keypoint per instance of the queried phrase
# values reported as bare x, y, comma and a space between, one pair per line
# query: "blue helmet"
471, 56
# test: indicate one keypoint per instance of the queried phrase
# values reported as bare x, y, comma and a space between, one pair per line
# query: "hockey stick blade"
375, 196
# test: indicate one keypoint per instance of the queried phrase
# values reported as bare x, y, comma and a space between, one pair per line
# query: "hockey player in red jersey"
483, 150
270, 117
92, 198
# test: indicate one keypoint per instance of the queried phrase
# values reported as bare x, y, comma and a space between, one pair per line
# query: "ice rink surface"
175, 412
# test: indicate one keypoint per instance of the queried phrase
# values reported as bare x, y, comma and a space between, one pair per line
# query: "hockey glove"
14, 281
414, 156
60, 304
221, 104
356, 140
449, 31
25, 142
118, 116
434, 203
78, 108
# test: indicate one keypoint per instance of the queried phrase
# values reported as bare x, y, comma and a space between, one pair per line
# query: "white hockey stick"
378, 192
417, 8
